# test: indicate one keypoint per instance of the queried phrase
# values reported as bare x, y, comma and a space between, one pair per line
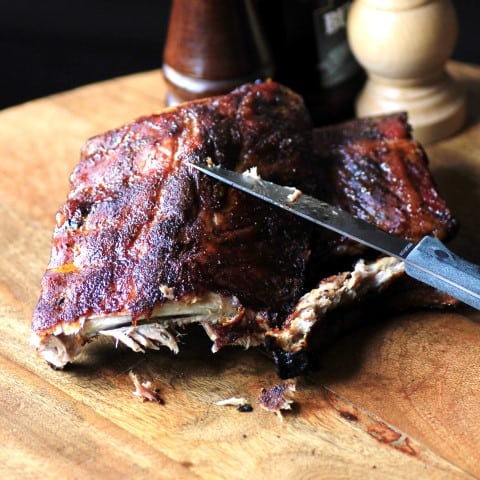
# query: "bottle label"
335, 60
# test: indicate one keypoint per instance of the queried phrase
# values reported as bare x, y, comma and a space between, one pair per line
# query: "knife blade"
428, 261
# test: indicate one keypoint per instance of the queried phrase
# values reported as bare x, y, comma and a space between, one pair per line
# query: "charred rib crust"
373, 169
290, 364
138, 218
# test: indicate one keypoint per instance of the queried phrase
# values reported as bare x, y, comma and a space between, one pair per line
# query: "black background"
49, 46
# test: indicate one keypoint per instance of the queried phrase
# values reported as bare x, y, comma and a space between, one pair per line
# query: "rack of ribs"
146, 245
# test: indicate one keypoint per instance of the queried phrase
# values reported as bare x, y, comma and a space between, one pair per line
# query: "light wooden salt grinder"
404, 46
212, 46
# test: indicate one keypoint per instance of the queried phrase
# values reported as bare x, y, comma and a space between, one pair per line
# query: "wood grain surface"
396, 399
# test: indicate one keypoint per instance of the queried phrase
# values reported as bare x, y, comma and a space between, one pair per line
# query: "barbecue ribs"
145, 244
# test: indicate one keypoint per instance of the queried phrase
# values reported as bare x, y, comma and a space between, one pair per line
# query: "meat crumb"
233, 401
144, 390
167, 292
246, 407
295, 195
252, 173
277, 398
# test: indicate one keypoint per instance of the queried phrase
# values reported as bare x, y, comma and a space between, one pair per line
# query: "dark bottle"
212, 46
308, 41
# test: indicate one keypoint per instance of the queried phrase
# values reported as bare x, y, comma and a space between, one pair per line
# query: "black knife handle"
433, 263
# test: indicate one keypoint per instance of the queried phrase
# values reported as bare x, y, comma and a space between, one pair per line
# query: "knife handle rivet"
441, 254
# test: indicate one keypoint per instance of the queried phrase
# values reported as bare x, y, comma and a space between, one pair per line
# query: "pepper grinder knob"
404, 46
212, 46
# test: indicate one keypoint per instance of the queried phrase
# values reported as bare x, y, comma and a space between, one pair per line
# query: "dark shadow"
461, 190
102, 358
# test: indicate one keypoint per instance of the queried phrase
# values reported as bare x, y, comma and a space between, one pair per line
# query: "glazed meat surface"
145, 244
139, 222
374, 170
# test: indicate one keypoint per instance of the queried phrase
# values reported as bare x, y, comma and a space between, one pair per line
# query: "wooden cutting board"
396, 399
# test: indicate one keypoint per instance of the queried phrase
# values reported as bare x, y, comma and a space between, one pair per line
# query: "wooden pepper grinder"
404, 45
212, 46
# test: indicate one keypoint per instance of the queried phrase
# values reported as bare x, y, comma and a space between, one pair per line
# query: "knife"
428, 261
